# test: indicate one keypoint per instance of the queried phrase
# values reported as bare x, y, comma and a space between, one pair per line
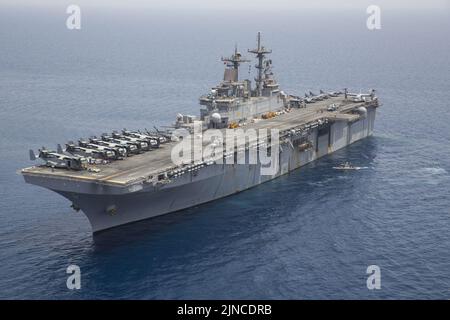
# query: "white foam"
435, 171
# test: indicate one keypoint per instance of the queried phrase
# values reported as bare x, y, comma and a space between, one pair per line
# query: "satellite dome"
216, 118
362, 111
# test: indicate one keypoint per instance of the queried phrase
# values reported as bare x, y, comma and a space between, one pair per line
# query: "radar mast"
234, 62
260, 52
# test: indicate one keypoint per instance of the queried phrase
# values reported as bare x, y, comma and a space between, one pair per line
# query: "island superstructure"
130, 175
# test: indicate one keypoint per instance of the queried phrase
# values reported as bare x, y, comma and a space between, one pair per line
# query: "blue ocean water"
310, 234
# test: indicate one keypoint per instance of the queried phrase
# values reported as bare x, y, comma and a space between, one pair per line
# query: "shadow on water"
143, 229
256, 207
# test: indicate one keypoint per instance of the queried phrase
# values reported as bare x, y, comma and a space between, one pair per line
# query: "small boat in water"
348, 166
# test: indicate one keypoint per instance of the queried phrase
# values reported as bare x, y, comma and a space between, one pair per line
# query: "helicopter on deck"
131, 146
59, 160
114, 153
91, 154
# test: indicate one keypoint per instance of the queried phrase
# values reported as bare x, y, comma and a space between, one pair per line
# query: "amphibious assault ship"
132, 175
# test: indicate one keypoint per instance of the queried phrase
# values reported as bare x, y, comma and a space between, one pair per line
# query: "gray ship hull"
210, 183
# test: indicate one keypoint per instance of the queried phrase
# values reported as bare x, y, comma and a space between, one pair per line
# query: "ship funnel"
32, 155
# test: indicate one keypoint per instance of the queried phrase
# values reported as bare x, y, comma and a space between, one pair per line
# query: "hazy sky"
240, 4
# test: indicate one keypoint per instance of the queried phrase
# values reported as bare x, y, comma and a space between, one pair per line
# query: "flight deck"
147, 164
